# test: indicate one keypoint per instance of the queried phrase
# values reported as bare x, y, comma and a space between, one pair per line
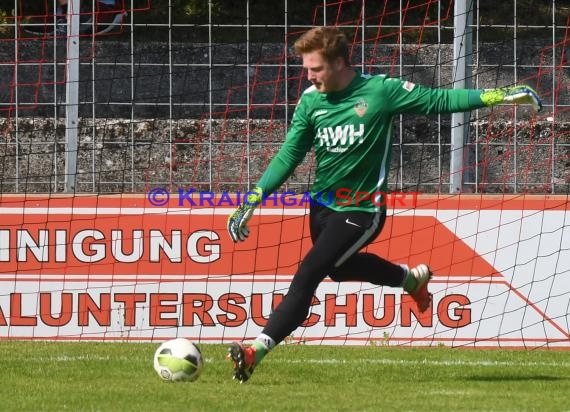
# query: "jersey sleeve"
298, 142
402, 96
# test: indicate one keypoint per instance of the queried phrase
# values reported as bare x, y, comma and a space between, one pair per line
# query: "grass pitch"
57, 376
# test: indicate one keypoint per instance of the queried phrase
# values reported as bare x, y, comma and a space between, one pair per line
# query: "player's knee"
307, 278
301, 292
335, 277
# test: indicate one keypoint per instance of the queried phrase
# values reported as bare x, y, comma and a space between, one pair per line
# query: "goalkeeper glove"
237, 221
512, 94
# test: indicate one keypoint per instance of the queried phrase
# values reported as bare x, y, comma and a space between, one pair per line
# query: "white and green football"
178, 360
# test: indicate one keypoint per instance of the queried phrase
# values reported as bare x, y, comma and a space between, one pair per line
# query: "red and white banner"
119, 268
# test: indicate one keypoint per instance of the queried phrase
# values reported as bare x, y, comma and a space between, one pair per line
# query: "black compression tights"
334, 234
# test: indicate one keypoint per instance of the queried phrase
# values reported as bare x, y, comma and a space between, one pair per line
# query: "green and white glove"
512, 94
237, 221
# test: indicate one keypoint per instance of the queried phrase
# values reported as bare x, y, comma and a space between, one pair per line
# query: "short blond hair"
329, 41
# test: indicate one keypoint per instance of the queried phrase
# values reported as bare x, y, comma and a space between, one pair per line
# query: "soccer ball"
178, 360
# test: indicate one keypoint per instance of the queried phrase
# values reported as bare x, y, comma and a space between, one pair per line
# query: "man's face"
322, 73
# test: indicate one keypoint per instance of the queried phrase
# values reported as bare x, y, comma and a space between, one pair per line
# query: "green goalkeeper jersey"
351, 132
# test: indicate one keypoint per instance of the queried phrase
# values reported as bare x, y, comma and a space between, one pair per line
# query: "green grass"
50, 376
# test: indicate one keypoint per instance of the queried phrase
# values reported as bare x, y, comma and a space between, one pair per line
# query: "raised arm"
406, 97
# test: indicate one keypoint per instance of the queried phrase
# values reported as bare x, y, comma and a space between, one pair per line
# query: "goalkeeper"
346, 116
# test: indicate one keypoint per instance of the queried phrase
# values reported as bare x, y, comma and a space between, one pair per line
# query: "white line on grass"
80, 358
421, 362
376, 361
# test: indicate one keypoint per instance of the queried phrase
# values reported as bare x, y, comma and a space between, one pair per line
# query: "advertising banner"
124, 268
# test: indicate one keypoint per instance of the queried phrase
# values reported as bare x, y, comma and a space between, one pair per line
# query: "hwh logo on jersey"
339, 138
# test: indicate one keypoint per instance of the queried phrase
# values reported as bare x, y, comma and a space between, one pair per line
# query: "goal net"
131, 131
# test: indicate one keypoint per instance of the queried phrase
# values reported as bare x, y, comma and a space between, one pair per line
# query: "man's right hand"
237, 221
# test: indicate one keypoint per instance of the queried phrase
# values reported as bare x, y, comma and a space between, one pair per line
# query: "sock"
262, 344
410, 283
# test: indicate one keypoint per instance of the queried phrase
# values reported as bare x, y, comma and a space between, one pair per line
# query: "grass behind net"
119, 377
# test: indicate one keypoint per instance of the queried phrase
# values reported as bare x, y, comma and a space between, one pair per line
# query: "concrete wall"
128, 143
